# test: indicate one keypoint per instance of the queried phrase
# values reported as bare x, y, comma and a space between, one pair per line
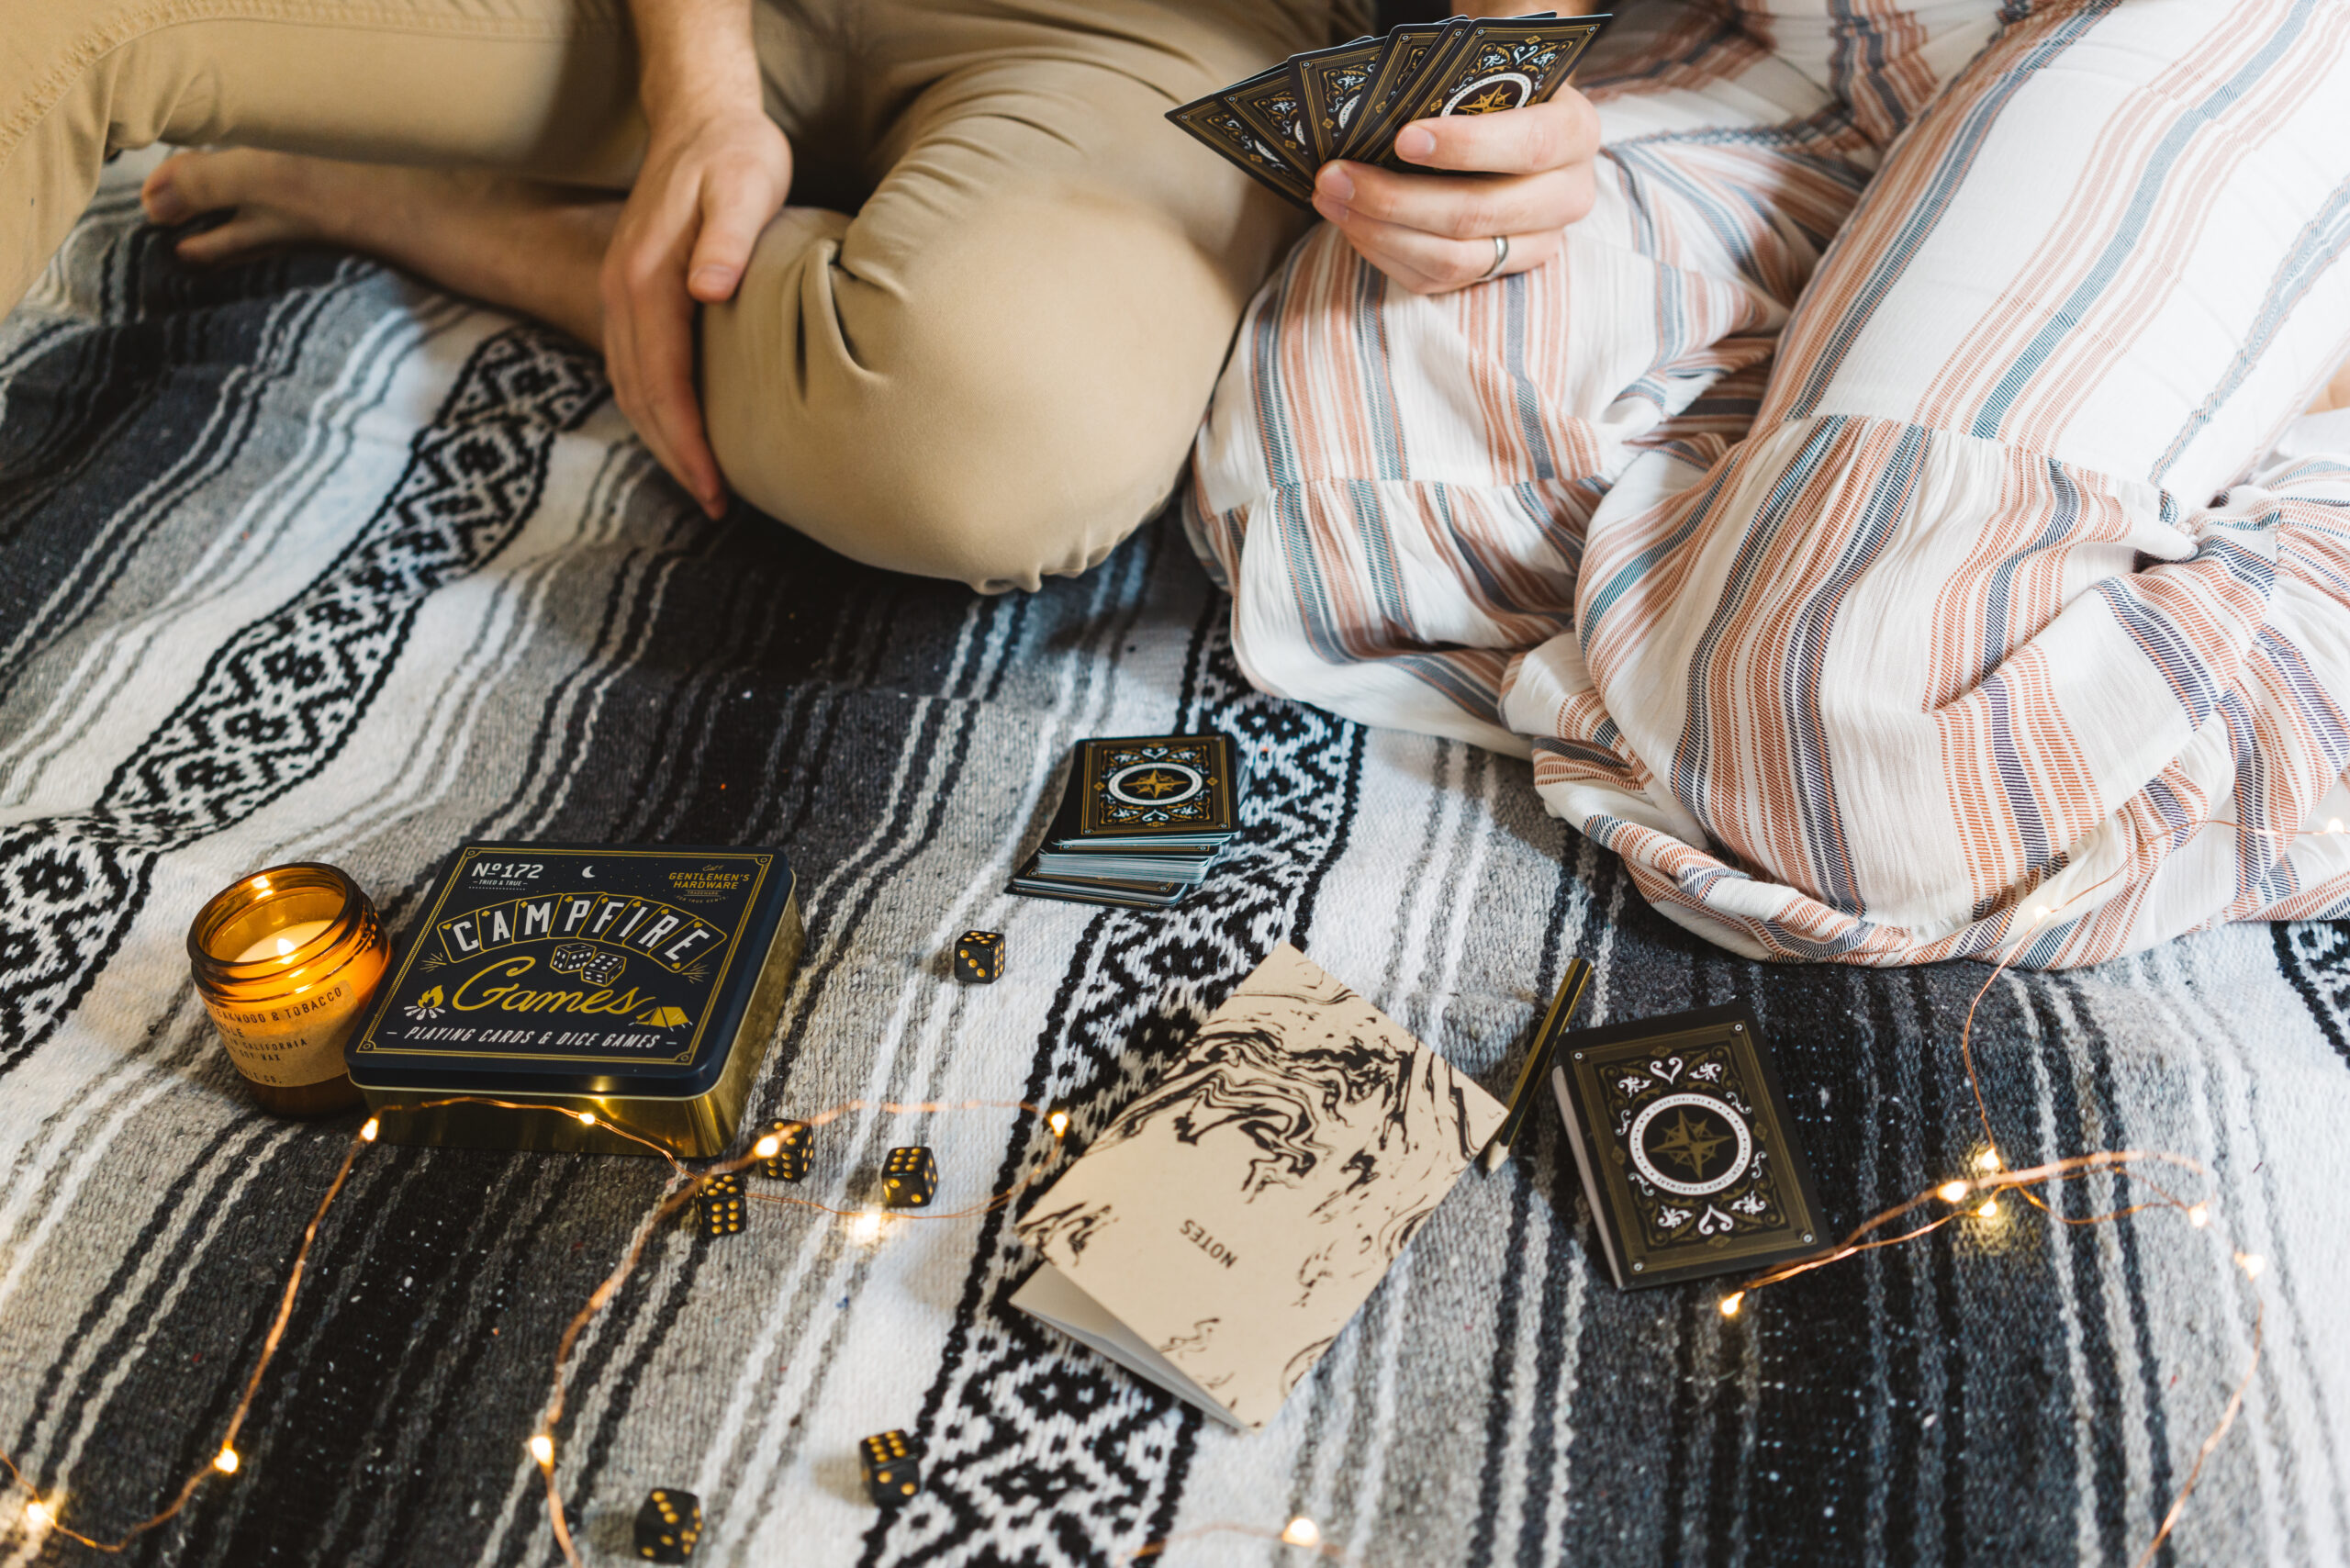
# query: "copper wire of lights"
44, 1515
1977, 1196
1957, 1195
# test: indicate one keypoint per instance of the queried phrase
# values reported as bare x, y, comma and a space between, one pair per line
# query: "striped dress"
1887, 524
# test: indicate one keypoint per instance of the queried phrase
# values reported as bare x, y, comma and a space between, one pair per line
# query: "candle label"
288, 1042
562, 960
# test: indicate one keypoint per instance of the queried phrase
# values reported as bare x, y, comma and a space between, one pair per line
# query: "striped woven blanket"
298, 561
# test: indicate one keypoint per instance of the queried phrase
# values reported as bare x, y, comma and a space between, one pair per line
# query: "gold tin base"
696, 1127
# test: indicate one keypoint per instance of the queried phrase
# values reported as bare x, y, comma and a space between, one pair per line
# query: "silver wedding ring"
1501, 254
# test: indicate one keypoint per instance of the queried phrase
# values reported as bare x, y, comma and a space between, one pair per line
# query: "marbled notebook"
1219, 1234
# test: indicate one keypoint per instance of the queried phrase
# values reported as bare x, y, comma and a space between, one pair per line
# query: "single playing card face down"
1407, 50
1272, 105
1332, 82
1211, 122
1485, 67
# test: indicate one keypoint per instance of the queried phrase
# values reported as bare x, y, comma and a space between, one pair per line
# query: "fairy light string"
1959, 1199
1972, 1196
44, 1514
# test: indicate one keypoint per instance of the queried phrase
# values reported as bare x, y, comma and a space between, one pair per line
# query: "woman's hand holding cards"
1523, 174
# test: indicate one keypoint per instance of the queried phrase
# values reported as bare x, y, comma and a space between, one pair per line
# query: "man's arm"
716, 171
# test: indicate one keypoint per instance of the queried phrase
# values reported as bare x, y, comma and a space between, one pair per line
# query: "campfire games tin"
632, 987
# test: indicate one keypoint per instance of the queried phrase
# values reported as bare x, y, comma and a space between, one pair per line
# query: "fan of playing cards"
1349, 101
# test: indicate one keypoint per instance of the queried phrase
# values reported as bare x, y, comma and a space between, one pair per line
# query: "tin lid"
574, 968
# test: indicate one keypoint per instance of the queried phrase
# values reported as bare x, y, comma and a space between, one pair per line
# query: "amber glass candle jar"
287, 961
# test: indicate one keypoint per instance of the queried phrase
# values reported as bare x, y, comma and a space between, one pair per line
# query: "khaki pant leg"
994, 370
545, 87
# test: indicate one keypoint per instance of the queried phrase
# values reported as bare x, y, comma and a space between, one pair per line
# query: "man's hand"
1531, 177
710, 185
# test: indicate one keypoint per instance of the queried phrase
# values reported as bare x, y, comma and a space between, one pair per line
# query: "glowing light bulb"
2039, 913
768, 1146
367, 1134
1990, 1209
225, 1461
1951, 1192
1987, 1161
586, 1118
543, 1448
1058, 1122
1302, 1531
2333, 824
1732, 1302
39, 1515
2251, 1263
865, 1230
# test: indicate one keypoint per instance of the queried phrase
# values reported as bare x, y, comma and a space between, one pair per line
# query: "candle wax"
278, 944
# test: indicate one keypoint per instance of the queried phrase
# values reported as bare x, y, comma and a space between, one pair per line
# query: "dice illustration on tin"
571, 958
603, 969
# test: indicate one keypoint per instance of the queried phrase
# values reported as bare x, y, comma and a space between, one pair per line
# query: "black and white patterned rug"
299, 561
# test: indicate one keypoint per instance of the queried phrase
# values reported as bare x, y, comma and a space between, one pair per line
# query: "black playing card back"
1332, 82
1483, 67
1409, 48
1686, 1150
1213, 123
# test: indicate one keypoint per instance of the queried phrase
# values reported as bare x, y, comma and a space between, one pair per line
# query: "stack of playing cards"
1139, 820
1686, 1147
1349, 101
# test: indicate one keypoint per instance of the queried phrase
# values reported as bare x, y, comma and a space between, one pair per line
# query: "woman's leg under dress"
1995, 634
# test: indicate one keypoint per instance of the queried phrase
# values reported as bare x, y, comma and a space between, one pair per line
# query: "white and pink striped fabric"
1886, 525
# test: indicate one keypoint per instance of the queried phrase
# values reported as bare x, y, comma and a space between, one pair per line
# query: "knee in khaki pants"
1005, 402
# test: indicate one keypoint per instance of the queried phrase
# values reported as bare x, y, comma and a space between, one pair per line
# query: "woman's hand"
1432, 233
710, 183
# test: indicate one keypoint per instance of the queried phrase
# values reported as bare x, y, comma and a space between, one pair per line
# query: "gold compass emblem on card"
1156, 783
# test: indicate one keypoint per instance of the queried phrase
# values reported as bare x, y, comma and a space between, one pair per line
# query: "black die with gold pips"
667, 1526
718, 1207
789, 1160
978, 956
891, 1463
909, 1178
